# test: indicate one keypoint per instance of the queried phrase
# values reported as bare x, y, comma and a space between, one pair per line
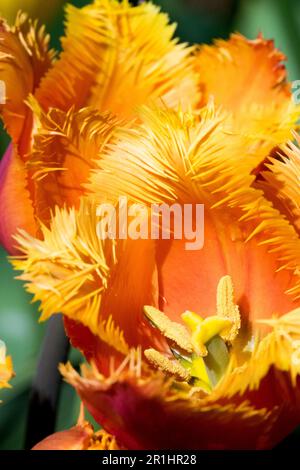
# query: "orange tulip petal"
143, 414
186, 161
116, 57
246, 237
248, 79
81, 338
64, 150
254, 406
24, 59
270, 378
280, 181
15, 203
258, 287
76, 438
91, 281
95, 350
240, 72
80, 437
276, 391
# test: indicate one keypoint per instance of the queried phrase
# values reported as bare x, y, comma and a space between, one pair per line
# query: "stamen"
196, 366
171, 330
169, 367
202, 356
227, 308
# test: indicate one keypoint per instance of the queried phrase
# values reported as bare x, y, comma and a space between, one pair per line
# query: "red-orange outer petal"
141, 417
76, 438
16, 210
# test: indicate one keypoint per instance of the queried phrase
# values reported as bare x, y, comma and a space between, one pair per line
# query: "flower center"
199, 350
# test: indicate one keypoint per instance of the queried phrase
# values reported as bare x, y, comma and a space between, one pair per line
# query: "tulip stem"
46, 384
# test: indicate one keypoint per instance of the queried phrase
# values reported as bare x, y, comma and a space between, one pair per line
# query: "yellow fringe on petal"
177, 157
116, 57
282, 180
6, 367
101, 440
25, 57
68, 271
280, 348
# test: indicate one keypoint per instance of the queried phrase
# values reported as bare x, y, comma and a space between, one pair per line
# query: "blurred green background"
199, 21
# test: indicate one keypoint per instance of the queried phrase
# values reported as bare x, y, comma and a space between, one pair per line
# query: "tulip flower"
6, 367
115, 57
188, 349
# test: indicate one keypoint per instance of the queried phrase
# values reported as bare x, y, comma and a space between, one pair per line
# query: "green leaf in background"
22, 334
276, 19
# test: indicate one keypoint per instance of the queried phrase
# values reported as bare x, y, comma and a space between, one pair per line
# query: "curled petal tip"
80, 437
76, 438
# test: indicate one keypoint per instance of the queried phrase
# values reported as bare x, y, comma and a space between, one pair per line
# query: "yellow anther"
171, 330
173, 368
227, 308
